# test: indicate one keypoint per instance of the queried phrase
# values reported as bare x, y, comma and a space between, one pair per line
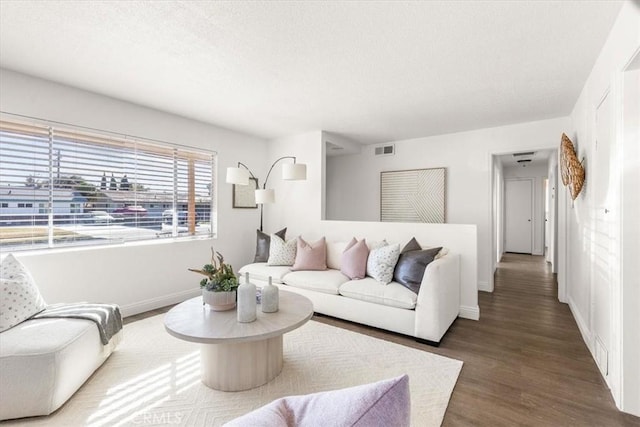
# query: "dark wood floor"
525, 362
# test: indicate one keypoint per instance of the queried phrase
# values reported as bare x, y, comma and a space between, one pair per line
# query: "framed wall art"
244, 196
416, 195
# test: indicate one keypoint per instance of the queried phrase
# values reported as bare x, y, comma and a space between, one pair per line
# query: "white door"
601, 289
518, 202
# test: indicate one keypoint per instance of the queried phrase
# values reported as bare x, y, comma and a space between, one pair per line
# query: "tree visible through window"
69, 186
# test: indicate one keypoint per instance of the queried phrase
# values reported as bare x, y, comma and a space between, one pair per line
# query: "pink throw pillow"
354, 259
311, 256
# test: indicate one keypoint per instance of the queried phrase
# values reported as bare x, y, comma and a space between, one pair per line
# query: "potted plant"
219, 286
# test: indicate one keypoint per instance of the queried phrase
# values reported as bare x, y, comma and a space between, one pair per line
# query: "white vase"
246, 301
270, 298
219, 301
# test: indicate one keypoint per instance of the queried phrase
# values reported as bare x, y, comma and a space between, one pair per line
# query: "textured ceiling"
370, 71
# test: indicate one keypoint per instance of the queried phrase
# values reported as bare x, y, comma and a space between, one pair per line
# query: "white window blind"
61, 185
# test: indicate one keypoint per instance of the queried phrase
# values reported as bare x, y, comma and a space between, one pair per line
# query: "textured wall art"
571, 169
416, 195
244, 196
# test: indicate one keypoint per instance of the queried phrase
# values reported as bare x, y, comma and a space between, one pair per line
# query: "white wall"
298, 203
580, 250
353, 181
144, 276
538, 173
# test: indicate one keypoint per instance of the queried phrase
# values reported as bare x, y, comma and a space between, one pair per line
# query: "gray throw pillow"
413, 245
262, 244
412, 264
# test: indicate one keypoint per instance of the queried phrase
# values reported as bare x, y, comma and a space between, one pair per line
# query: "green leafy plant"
220, 276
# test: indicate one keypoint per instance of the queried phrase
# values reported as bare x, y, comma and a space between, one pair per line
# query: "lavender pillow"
384, 403
311, 256
354, 259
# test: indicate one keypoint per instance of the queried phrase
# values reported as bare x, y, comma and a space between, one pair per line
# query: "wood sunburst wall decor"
571, 169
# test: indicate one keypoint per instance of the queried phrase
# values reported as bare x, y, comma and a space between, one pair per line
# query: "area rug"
154, 379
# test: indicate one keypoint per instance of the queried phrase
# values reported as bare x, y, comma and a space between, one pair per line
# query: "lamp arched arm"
247, 168
264, 184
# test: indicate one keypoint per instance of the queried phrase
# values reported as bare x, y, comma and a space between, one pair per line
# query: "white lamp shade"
294, 171
265, 196
237, 176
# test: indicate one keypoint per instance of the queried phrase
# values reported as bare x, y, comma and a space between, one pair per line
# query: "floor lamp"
290, 172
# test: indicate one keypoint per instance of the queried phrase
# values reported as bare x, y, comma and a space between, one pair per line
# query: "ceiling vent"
385, 150
524, 157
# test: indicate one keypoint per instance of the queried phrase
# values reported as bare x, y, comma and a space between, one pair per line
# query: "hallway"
525, 362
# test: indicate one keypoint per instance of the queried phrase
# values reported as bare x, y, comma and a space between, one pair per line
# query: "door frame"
628, 393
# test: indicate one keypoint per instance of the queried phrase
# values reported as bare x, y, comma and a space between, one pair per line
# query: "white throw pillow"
382, 261
19, 296
375, 244
281, 252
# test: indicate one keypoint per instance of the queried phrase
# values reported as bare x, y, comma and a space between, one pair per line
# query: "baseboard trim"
468, 312
484, 286
153, 303
582, 326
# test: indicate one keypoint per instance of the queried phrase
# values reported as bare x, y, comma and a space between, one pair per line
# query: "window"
96, 187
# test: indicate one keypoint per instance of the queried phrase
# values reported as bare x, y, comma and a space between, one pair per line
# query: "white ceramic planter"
219, 301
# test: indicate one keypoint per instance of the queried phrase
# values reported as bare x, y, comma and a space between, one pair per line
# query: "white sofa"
425, 316
47, 352
44, 361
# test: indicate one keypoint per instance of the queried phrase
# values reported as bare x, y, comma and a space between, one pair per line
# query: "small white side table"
238, 356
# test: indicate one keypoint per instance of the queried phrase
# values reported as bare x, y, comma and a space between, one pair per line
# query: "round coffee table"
238, 356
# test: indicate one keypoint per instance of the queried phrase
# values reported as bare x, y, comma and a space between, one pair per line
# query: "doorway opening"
523, 214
